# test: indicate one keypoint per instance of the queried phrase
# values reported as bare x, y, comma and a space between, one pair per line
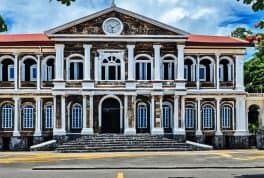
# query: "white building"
120, 72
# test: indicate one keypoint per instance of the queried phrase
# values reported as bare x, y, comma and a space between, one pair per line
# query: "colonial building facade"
120, 72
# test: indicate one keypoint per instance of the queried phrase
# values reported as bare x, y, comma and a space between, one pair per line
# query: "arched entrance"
110, 115
253, 123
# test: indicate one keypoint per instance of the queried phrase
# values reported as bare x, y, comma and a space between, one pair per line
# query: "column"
87, 61
239, 72
241, 122
16, 70
38, 73
59, 62
183, 113
16, 116
198, 73
38, 117
60, 125
86, 130
87, 83
180, 70
177, 130
157, 62
131, 62
128, 110
198, 112
218, 117
217, 71
152, 113
157, 116
91, 115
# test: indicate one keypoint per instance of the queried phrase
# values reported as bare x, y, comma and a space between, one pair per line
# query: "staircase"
122, 143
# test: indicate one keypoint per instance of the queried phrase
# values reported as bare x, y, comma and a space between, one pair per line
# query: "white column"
176, 129
38, 117
180, 70
87, 61
54, 113
131, 62
183, 113
218, 117
16, 70
91, 115
198, 112
157, 62
198, 73
59, 64
217, 71
38, 73
241, 122
240, 72
152, 113
16, 116
63, 114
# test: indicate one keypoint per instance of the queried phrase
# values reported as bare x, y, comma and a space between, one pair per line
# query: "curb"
146, 168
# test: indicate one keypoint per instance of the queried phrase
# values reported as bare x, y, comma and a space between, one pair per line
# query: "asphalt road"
209, 164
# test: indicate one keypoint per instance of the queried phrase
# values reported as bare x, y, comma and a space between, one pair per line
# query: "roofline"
120, 10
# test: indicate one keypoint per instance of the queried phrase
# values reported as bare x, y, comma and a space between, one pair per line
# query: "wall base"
260, 139
218, 142
18, 144
37, 140
239, 142
199, 138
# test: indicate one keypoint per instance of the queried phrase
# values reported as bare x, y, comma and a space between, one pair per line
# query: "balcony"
227, 84
7, 84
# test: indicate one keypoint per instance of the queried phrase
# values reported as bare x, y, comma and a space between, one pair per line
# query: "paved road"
212, 164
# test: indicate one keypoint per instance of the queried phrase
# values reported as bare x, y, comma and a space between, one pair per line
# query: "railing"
256, 94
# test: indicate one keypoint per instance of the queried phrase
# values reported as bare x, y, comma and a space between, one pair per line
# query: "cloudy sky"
214, 17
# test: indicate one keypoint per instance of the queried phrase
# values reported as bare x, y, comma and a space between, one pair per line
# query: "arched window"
29, 69
7, 71
75, 67
202, 72
76, 116
226, 69
48, 69
189, 68
166, 115
143, 68
142, 116
227, 116
168, 68
206, 71
28, 117
7, 116
189, 117
49, 116
208, 116
111, 68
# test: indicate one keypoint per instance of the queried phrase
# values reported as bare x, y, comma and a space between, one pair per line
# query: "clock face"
113, 26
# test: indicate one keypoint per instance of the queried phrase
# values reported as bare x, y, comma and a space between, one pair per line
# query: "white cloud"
195, 16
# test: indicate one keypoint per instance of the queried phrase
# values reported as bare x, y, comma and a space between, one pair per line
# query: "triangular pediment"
134, 24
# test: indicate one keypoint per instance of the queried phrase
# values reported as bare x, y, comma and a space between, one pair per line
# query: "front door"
110, 116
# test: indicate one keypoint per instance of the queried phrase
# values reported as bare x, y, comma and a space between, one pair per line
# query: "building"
116, 71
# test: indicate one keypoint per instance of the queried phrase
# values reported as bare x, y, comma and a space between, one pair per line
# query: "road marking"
120, 175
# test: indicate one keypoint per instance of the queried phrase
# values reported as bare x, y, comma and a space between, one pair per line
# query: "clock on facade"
112, 26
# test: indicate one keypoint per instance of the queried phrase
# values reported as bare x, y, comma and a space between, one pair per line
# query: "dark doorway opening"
29, 143
253, 124
6, 143
110, 116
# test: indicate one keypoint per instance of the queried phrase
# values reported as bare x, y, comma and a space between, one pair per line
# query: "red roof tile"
215, 40
25, 39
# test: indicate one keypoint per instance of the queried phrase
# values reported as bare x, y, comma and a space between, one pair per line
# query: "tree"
3, 26
257, 5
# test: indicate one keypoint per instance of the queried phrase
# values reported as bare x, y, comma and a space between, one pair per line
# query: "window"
221, 72
166, 116
143, 68
226, 117
33, 73
28, 116
142, 116
49, 73
111, 69
168, 69
49, 117
11, 73
189, 117
202, 73
208, 117
7, 116
76, 116
76, 70
186, 72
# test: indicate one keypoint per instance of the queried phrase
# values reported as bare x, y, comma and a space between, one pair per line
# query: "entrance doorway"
111, 116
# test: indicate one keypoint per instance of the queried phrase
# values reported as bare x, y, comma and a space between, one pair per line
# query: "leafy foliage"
241, 32
66, 2
257, 5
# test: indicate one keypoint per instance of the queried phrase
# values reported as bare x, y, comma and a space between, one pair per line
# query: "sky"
211, 17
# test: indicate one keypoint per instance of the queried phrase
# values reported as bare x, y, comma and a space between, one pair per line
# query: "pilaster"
59, 62
38, 117
16, 116
87, 83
